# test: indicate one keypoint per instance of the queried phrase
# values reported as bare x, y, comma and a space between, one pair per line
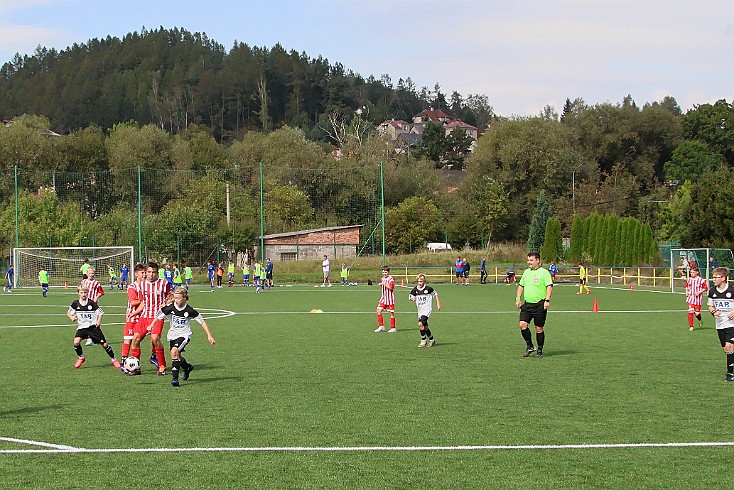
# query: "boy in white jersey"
88, 316
695, 287
179, 334
423, 295
721, 306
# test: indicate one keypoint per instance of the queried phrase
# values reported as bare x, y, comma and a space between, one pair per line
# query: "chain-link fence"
185, 216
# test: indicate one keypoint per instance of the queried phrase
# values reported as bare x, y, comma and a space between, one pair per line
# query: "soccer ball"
132, 364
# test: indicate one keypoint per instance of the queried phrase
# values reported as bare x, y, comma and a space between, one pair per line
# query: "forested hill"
171, 78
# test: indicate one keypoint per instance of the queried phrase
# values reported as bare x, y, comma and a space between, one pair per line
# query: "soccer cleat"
174, 382
153, 359
187, 371
579, 292
79, 362
380, 329
729, 377
392, 330
529, 351
431, 342
423, 343
89, 342
161, 371
328, 286
323, 286
690, 329
588, 292
116, 363
539, 353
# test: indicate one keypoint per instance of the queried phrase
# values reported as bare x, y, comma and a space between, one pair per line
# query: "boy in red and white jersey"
387, 301
696, 286
93, 286
134, 308
154, 293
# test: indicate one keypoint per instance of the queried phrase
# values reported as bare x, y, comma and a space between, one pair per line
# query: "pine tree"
552, 248
577, 238
542, 213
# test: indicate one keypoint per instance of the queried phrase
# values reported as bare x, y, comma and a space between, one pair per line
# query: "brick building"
334, 241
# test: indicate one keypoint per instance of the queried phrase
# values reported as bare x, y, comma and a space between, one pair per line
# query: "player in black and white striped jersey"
179, 334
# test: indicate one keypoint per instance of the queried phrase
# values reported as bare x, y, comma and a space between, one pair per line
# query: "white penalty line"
54, 448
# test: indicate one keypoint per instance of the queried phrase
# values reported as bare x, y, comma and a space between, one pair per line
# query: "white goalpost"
681, 259
63, 264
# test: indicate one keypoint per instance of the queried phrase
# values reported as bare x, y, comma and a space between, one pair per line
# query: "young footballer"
179, 334
88, 316
696, 286
721, 306
422, 295
387, 301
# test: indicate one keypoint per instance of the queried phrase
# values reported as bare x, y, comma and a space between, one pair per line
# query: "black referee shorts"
535, 312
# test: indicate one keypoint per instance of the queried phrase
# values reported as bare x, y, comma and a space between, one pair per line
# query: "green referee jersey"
534, 283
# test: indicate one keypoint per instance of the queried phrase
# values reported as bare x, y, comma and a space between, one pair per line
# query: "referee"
537, 287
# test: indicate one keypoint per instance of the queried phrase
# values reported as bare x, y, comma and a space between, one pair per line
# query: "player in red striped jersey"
134, 308
95, 290
696, 286
154, 292
387, 301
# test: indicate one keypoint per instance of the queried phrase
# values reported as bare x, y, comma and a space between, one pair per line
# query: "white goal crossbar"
682, 259
63, 264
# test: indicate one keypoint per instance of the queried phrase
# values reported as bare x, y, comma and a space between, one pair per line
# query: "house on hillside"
408, 135
334, 241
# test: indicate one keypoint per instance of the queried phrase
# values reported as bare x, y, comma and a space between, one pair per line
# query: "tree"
413, 221
713, 125
691, 159
491, 203
577, 238
458, 144
433, 143
552, 248
536, 233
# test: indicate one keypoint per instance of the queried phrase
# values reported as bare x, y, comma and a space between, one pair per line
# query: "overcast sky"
522, 54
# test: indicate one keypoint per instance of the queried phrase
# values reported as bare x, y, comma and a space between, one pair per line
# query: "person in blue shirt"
124, 272
483, 271
210, 270
553, 269
459, 265
168, 276
9, 275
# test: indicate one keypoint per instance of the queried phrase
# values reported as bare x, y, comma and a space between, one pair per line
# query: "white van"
439, 246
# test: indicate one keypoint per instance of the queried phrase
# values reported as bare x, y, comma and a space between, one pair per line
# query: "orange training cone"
595, 307
632, 285
402, 283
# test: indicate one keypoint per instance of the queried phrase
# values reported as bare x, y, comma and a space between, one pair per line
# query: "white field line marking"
227, 313
67, 449
221, 314
59, 447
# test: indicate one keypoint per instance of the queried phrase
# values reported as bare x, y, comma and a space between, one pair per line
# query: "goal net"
63, 264
706, 259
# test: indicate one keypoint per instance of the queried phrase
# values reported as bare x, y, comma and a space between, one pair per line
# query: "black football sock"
428, 333
730, 363
527, 336
109, 352
78, 349
540, 338
176, 367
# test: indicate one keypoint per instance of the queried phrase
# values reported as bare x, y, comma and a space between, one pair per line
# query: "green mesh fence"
185, 215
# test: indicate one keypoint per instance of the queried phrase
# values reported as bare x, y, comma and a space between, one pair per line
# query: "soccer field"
624, 398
